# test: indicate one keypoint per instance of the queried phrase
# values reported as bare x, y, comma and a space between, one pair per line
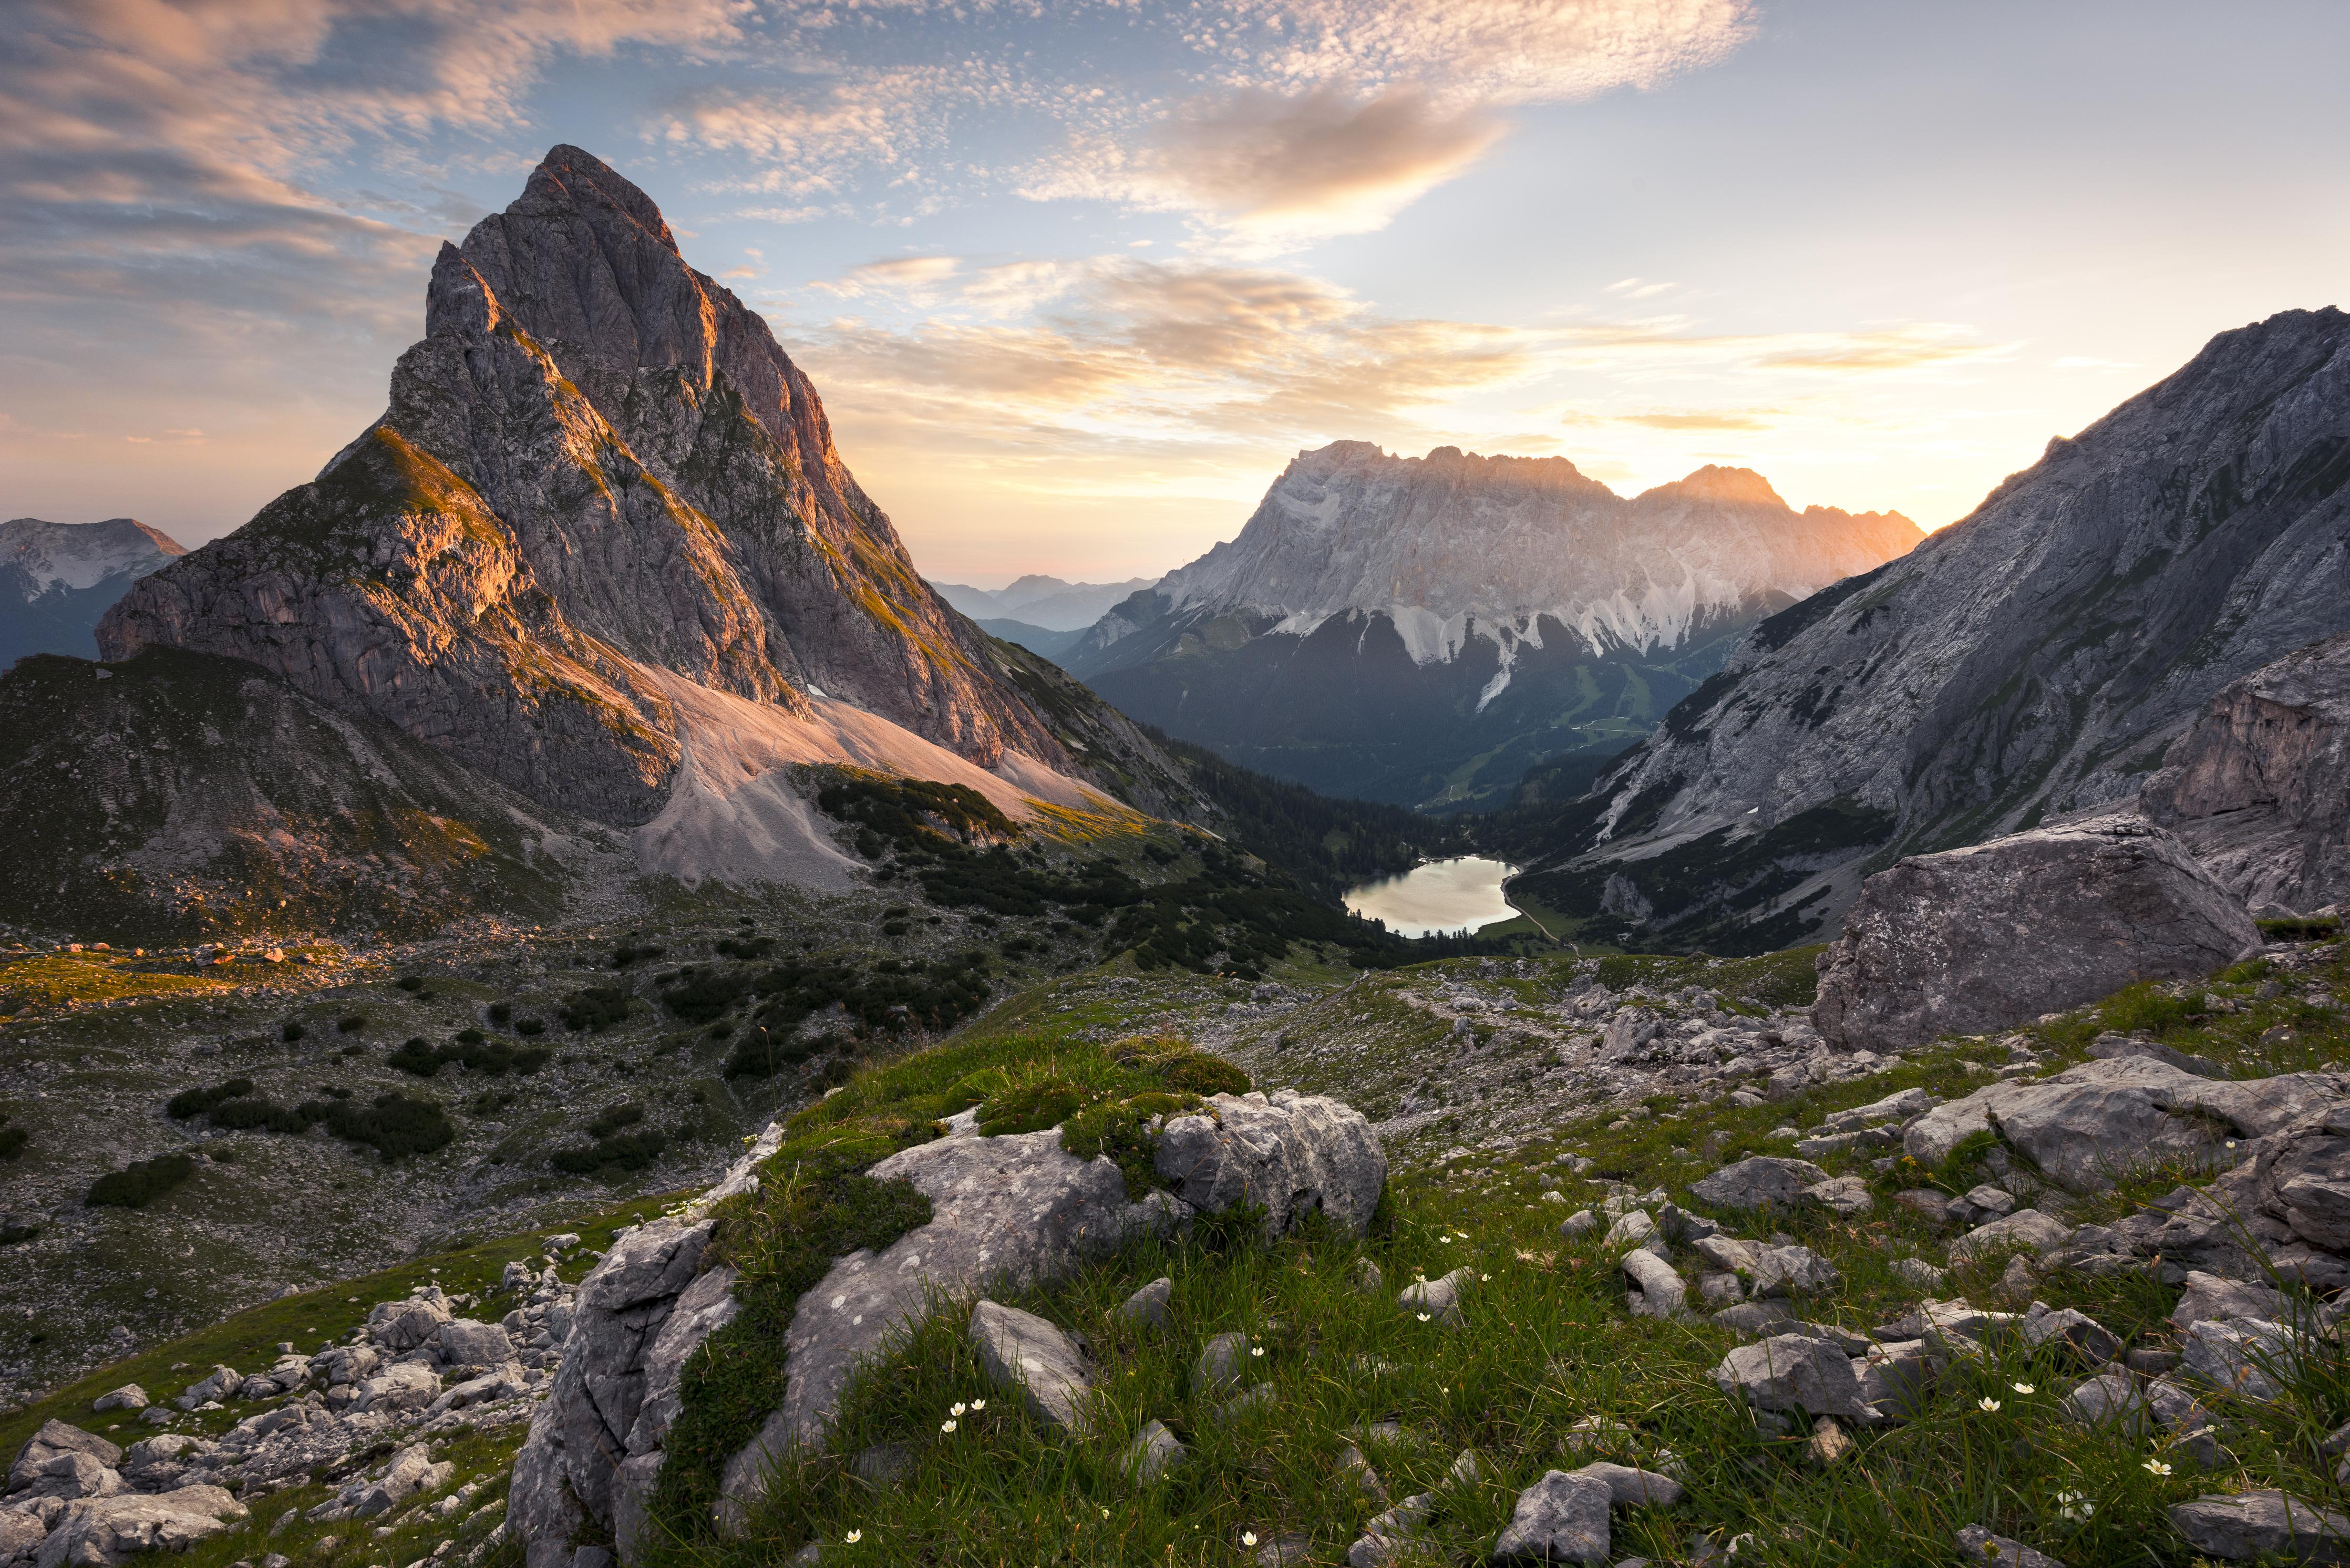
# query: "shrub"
13, 1138
529, 1027
597, 1007
394, 1125
351, 1023
416, 1058
614, 1117
136, 1185
763, 1053
499, 1011
244, 1115
2145, 1007
291, 1032
628, 1151
469, 1036
622, 957
190, 1103
2301, 929
744, 946
411, 982
478, 1053
700, 996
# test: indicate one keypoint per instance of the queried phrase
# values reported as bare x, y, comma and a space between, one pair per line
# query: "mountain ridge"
2032, 661
1422, 630
56, 580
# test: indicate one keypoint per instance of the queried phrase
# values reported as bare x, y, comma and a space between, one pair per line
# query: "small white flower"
1248, 1538
2022, 1387
2157, 1468
1988, 1403
2075, 1506
1423, 1317
946, 1425
1256, 1350
1105, 1513
979, 1404
957, 1409
1485, 1278
854, 1536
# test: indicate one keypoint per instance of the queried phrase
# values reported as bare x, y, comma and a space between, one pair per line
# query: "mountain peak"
575, 179
1714, 483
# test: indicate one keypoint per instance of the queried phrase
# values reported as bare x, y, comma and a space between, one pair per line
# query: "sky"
1076, 280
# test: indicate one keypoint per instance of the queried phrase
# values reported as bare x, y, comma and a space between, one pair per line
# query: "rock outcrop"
601, 525
2035, 660
1998, 934
2260, 788
2087, 1125
1383, 625
1006, 1212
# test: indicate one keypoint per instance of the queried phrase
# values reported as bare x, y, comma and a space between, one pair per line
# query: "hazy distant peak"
1714, 483
81, 556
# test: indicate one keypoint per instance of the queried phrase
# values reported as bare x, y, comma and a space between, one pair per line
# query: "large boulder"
2089, 1123
2265, 1524
1290, 1154
54, 1439
103, 1532
1987, 937
2260, 788
1791, 1371
1762, 1181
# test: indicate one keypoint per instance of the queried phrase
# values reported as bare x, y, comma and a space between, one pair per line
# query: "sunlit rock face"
1384, 621
2035, 660
599, 471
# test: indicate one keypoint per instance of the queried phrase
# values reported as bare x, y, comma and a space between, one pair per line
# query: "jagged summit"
601, 535
57, 579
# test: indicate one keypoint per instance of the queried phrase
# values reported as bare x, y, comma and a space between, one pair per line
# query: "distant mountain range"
1423, 630
57, 579
2037, 658
1048, 604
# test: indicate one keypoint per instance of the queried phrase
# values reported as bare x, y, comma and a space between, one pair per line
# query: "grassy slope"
1546, 1342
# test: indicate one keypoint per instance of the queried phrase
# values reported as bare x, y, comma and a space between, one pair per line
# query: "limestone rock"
130, 1396
1846, 1196
2238, 1356
102, 1532
2087, 1339
2256, 787
1657, 1291
2207, 1296
1221, 1362
1562, 1518
53, 1440
1631, 1487
1024, 1355
1292, 1154
399, 1327
2111, 1397
1762, 1181
1974, 939
464, 1343
1439, 1298
2263, 1524
1148, 1307
1154, 1451
1980, 1546
1792, 1372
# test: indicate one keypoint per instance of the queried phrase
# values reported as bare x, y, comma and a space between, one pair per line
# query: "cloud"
1319, 161
914, 278
1704, 420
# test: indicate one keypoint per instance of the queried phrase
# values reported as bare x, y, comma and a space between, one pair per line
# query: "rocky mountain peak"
1713, 483
602, 507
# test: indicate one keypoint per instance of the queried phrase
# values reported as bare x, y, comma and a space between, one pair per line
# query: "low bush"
614, 1117
701, 995
136, 1185
12, 1137
626, 1151
595, 1007
492, 1058
190, 1103
290, 1033
395, 1126
351, 1023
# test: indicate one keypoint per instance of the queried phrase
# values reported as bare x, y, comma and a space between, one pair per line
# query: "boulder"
52, 1440
1393, 1535
1290, 1154
1149, 1307
1896, 1378
400, 1326
1657, 1291
1628, 1487
102, 1533
2089, 1341
2110, 1397
1438, 1298
1562, 1518
461, 1342
411, 1470
2089, 1121
2239, 1356
1846, 1196
1771, 1270
2041, 1234
130, 1396
1760, 1182
1978, 1545
1152, 1454
405, 1386
2207, 1296
1024, 1355
2107, 1048
1223, 1361
2300, 1175
1970, 940
1792, 1372
22, 1530
2265, 1524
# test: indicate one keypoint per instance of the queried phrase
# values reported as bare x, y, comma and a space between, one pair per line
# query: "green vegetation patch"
814, 1204
139, 1184
597, 1007
396, 1126
492, 1058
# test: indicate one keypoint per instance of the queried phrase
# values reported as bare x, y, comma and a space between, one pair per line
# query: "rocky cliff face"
1383, 620
57, 579
2035, 660
2259, 787
599, 471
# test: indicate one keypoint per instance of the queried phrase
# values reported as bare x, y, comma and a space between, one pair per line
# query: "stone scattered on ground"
1024, 1355
1980, 1546
1562, 1518
2266, 1524
1762, 1181
1154, 1451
